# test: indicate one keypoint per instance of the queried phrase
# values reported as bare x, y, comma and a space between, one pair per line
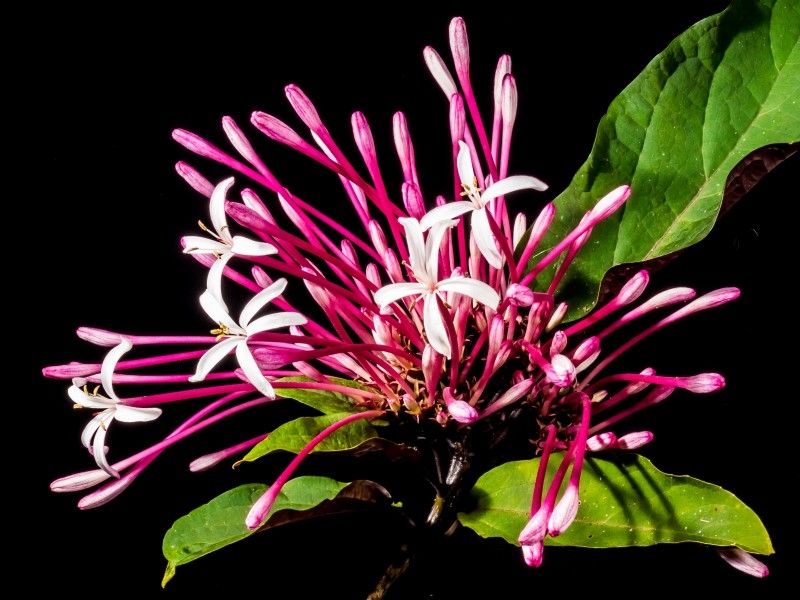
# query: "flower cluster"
447, 317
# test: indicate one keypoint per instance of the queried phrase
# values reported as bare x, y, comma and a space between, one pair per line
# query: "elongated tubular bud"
630, 291
439, 71
603, 209
405, 149
503, 68
193, 177
263, 505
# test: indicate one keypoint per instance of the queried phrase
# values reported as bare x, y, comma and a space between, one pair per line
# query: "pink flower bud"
191, 176
304, 108
79, 481
533, 554
601, 441
564, 512
609, 203
536, 528
99, 337
631, 441
703, 383
276, 129
745, 562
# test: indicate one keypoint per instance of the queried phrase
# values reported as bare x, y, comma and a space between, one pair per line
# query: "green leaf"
324, 401
624, 502
221, 522
726, 87
295, 435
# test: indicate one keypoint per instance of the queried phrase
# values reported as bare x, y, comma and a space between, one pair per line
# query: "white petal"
195, 244
275, 321
512, 184
252, 372
434, 326
416, 244
394, 291
110, 363
81, 398
217, 208
136, 414
99, 448
432, 246
464, 164
210, 359
217, 310
484, 238
478, 290
214, 280
247, 247
260, 300
445, 212
92, 426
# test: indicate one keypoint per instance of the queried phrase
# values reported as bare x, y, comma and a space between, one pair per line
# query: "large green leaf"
221, 522
624, 502
324, 401
723, 89
295, 435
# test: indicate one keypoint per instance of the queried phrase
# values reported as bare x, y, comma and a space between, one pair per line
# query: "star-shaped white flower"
424, 257
477, 203
94, 434
232, 335
223, 245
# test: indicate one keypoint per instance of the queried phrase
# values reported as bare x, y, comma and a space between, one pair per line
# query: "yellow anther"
221, 332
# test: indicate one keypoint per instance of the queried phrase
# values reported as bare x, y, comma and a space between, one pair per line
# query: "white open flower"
222, 244
94, 434
234, 336
478, 202
424, 258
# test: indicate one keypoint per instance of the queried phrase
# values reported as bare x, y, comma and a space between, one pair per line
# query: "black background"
103, 210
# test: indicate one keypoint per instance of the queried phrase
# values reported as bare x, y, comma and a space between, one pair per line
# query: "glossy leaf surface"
295, 435
625, 501
221, 522
723, 89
